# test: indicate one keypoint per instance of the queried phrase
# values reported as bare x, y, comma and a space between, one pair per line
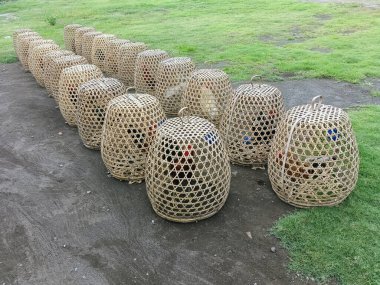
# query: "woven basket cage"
78, 36
69, 82
69, 36
128, 131
187, 171
314, 159
23, 42
55, 69
172, 77
87, 40
32, 45
15, 35
146, 70
47, 62
36, 64
127, 61
93, 97
112, 51
249, 123
99, 48
207, 94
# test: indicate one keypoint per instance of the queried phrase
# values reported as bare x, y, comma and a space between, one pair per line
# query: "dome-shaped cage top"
249, 123
87, 40
14, 37
78, 35
314, 159
24, 41
99, 49
69, 36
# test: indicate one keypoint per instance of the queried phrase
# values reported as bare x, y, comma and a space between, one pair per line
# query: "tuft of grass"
51, 20
342, 242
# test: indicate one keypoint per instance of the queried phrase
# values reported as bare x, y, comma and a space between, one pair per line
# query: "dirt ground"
64, 221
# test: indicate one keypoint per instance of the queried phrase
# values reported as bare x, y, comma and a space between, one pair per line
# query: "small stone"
153, 222
76, 269
57, 108
32, 137
84, 277
234, 173
135, 259
60, 133
61, 165
64, 246
88, 192
147, 274
273, 249
249, 235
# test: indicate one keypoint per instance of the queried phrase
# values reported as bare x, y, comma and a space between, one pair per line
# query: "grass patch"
342, 242
260, 37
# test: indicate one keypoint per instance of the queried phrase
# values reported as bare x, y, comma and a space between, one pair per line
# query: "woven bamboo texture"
207, 94
99, 48
93, 97
69, 36
146, 70
249, 123
55, 69
23, 42
172, 77
112, 51
127, 61
187, 172
69, 82
87, 40
35, 61
314, 159
47, 62
15, 35
129, 129
78, 36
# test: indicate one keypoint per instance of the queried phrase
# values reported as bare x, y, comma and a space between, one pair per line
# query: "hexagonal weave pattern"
250, 122
69, 36
78, 35
207, 94
146, 70
129, 129
93, 97
127, 56
23, 42
47, 62
172, 77
99, 48
14, 37
69, 82
87, 40
32, 45
187, 172
112, 51
35, 61
55, 70
314, 159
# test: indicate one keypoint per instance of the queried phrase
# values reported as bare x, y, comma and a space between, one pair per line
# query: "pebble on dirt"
273, 249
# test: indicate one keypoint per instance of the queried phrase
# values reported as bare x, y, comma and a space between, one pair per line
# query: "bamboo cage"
146, 70
69, 36
69, 82
87, 40
187, 171
35, 61
15, 35
99, 49
172, 77
93, 97
78, 38
32, 44
314, 158
23, 42
126, 59
129, 129
250, 122
112, 51
207, 94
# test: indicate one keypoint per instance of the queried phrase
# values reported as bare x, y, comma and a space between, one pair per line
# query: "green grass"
342, 242
249, 37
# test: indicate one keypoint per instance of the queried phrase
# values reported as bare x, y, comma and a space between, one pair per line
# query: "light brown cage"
207, 94
112, 51
87, 40
78, 36
69, 36
55, 69
23, 43
314, 159
93, 97
249, 123
187, 171
69, 82
172, 77
47, 62
146, 70
127, 56
99, 48
35, 61
33, 44
14, 37
128, 131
